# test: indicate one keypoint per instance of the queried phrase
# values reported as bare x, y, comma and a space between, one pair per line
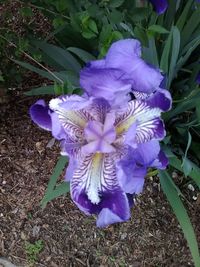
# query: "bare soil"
152, 237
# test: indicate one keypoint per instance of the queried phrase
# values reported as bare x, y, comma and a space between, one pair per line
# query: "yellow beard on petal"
125, 125
95, 178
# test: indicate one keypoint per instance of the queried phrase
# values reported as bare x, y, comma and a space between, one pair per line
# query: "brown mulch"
151, 238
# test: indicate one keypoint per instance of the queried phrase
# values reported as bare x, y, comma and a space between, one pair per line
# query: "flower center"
100, 136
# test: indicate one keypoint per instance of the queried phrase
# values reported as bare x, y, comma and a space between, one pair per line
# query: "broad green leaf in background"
138, 14
44, 90
183, 106
53, 179
115, 17
59, 77
82, 54
187, 51
141, 34
157, 29
174, 54
93, 26
170, 14
61, 5
44, 73
115, 3
164, 62
184, 15
59, 55
167, 185
191, 25
127, 28
150, 53
56, 31
170, 54
186, 166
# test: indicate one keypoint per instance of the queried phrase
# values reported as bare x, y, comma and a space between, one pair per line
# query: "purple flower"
198, 78
107, 150
110, 138
160, 6
124, 71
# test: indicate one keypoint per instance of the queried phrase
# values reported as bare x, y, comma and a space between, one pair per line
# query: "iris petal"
160, 6
114, 208
95, 173
72, 119
161, 98
95, 187
125, 55
40, 115
146, 153
149, 124
130, 176
161, 161
107, 83
121, 52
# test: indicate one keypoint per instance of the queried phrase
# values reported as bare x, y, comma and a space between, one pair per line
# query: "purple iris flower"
109, 150
124, 71
160, 6
198, 78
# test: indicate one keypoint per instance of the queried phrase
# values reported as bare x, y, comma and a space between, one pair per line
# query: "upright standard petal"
107, 83
122, 52
160, 6
126, 56
100, 63
40, 114
145, 77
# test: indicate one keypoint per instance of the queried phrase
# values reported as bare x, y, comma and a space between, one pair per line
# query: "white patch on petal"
148, 114
94, 183
54, 103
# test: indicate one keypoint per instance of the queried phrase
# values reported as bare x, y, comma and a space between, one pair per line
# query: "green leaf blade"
82, 54
181, 214
43, 90
157, 29
176, 40
53, 179
59, 55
